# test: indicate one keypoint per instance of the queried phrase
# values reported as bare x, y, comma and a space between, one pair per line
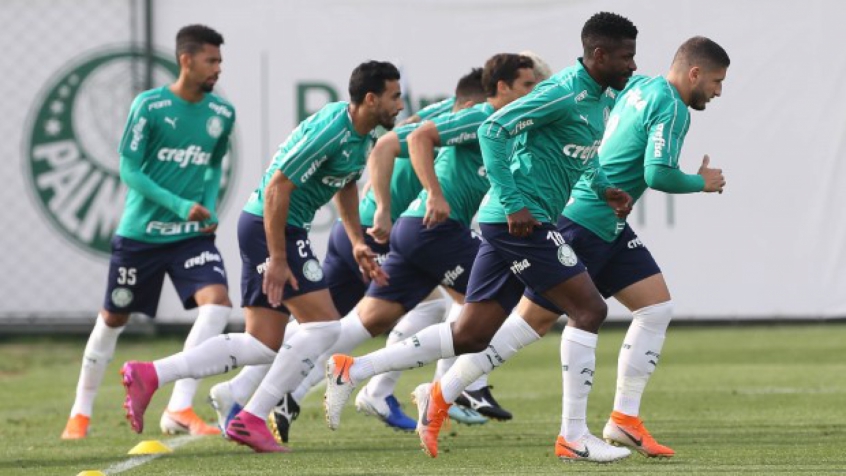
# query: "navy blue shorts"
507, 264
612, 266
343, 276
422, 258
301, 259
137, 270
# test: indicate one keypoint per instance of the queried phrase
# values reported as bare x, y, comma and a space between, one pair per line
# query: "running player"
322, 158
640, 150
431, 242
347, 287
170, 160
558, 128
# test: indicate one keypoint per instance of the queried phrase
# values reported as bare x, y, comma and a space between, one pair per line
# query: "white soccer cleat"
225, 406
339, 387
589, 448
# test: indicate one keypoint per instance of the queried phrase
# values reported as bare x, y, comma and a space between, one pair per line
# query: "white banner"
771, 246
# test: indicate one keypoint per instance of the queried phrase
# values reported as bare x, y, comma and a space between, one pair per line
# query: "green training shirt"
458, 166
320, 157
557, 129
647, 126
171, 153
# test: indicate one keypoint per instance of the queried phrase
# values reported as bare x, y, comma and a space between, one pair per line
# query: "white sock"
514, 334
578, 363
445, 364
424, 315
639, 355
428, 345
211, 321
98, 353
353, 333
295, 360
217, 355
243, 385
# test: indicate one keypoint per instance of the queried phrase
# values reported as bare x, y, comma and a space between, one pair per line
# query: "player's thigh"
578, 298
631, 274
266, 325
135, 277
197, 270
446, 251
492, 280
644, 293
315, 306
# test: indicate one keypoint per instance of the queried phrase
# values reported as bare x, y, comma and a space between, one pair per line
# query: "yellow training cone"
150, 447
91, 473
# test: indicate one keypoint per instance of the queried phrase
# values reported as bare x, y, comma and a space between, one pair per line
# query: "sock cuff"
431, 304
661, 308
254, 343
351, 323
320, 325
454, 312
100, 324
654, 318
445, 334
585, 338
528, 335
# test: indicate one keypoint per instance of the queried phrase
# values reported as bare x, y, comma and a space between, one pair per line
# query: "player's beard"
387, 120
207, 87
698, 99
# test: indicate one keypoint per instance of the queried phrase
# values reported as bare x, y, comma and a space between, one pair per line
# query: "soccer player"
640, 150
558, 128
322, 158
170, 160
347, 287
431, 242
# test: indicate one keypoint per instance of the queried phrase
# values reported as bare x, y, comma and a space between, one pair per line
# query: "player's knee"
114, 319
467, 341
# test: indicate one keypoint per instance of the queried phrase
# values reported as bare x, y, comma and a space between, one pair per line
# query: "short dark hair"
503, 67
370, 77
190, 39
469, 87
703, 52
606, 30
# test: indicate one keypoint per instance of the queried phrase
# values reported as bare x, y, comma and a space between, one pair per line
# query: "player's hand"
209, 229
370, 269
381, 229
276, 275
521, 223
620, 201
714, 179
437, 210
198, 213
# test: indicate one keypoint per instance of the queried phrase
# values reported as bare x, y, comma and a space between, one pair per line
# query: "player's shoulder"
334, 114
152, 99
436, 109
220, 106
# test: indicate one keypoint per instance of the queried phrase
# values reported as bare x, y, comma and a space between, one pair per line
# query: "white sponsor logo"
313, 168
461, 138
584, 118
659, 141
338, 182
567, 256
635, 243
172, 228
137, 133
522, 125
582, 95
519, 266
346, 153
581, 152
482, 171
312, 270
451, 275
633, 98
201, 259
214, 126
192, 155
219, 270
171, 121
122, 297
221, 109
159, 104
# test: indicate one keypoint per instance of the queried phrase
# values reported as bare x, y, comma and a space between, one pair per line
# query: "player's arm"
616, 198
381, 164
538, 108
211, 181
346, 200
133, 148
661, 164
430, 111
277, 201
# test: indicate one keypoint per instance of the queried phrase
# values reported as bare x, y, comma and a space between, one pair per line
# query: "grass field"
729, 400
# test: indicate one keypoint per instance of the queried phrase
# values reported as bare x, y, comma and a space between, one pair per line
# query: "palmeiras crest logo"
71, 143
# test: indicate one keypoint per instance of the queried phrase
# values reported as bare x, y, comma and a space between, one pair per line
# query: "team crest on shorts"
312, 270
567, 256
122, 297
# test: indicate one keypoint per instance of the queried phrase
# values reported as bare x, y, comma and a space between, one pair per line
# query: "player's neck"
678, 82
188, 92
497, 103
362, 122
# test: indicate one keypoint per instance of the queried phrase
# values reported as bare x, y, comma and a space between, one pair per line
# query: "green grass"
729, 400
